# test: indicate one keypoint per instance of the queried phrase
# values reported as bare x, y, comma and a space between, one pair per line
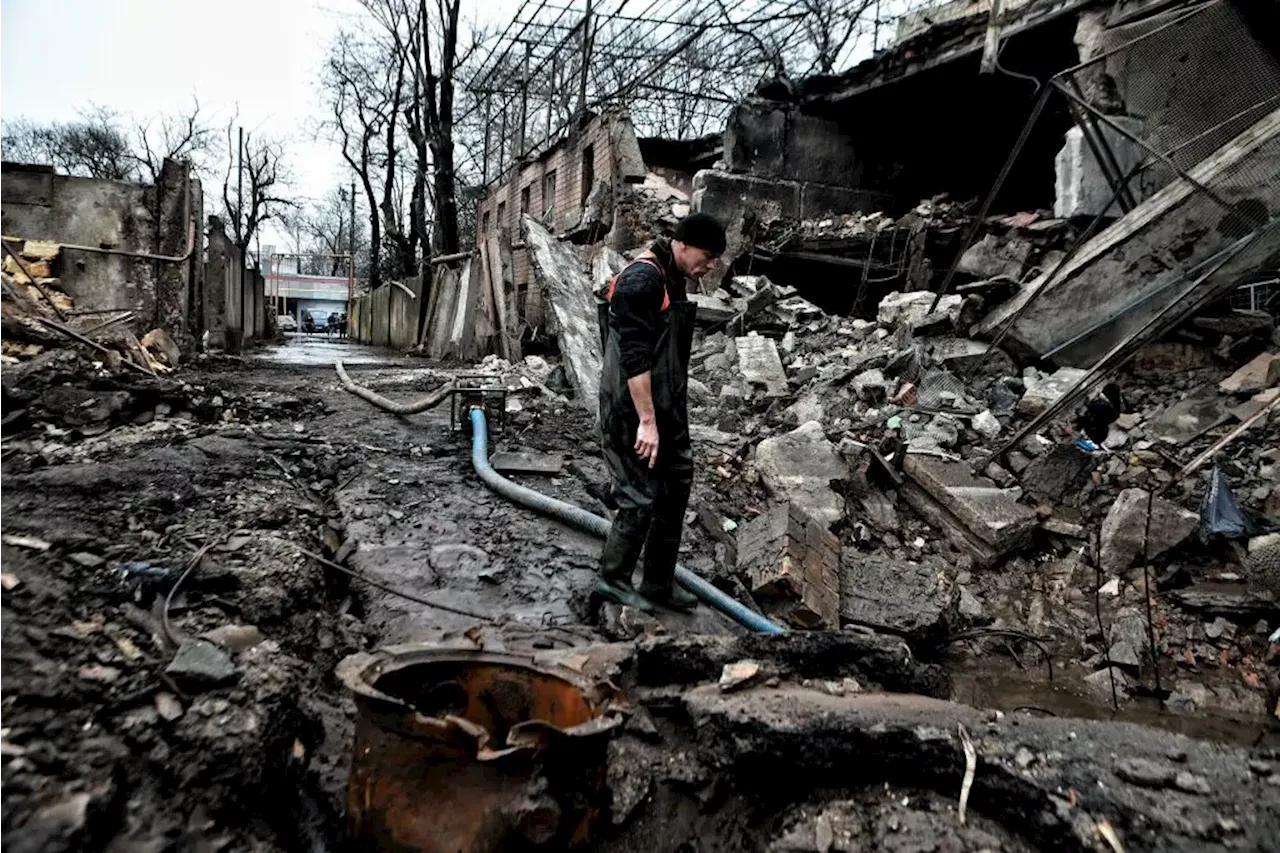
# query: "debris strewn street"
306, 497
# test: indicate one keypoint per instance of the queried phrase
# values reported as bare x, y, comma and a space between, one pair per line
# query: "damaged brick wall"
40, 205
553, 188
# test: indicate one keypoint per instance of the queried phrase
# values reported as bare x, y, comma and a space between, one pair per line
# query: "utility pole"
351, 250
586, 60
240, 190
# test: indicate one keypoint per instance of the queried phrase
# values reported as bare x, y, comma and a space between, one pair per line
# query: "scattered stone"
1145, 772
970, 607
986, 424
31, 542
1111, 588
1044, 390
1190, 417
1260, 768
872, 387
996, 256
738, 675
1125, 525
879, 511
99, 673
1266, 541
898, 308
1257, 375
200, 665
1116, 438
1024, 758
1124, 654
798, 468
1099, 683
1128, 420
1191, 783
974, 513
168, 706
235, 638
1214, 629
89, 561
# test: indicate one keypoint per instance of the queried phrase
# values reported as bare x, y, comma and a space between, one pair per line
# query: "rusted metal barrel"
469, 751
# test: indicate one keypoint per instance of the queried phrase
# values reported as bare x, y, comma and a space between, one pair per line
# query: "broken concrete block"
1125, 525
871, 386
1058, 475
559, 272
792, 565
200, 665
1258, 375
735, 675
912, 599
1044, 390
798, 467
994, 256
759, 363
974, 512
986, 424
909, 308
1255, 404
712, 309
1191, 417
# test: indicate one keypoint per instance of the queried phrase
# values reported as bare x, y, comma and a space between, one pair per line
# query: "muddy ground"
241, 465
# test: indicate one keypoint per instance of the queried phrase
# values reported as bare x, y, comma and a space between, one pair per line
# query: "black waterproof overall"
651, 501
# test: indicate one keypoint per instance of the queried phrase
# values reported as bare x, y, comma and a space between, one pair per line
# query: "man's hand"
647, 441
647, 434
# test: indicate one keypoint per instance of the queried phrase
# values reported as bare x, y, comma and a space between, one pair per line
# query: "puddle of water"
302, 350
987, 685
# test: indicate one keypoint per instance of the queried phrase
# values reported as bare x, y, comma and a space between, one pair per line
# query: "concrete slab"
759, 363
989, 513
798, 467
559, 272
1138, 266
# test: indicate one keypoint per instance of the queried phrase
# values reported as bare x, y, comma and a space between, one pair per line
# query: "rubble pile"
38, 316
883, 431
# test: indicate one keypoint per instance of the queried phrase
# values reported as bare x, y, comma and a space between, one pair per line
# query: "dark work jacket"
646, 323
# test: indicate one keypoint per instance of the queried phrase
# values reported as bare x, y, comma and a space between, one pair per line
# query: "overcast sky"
146, 57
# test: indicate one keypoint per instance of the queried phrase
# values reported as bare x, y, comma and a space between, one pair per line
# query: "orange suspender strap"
666, 296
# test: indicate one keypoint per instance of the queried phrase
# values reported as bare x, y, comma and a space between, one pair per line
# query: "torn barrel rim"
466, 749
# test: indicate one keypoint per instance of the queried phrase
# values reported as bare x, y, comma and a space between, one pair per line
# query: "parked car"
286, 323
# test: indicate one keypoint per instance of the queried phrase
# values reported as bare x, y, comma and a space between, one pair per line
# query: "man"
647, 329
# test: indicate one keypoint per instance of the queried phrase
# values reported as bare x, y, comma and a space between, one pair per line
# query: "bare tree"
322, 232
104, 144
176, 136
252, 188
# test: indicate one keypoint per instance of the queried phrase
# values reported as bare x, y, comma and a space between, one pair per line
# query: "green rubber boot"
622, 593
672, 596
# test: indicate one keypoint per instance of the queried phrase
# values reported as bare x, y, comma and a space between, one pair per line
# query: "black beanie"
702, 231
